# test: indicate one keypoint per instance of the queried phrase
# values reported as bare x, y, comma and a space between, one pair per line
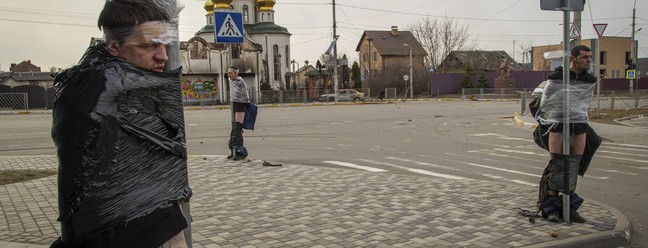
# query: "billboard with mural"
197, 89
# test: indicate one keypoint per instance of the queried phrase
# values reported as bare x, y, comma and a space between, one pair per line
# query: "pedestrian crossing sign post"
228, 27
631, 74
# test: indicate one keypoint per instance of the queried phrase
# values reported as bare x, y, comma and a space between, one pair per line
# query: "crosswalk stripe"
434, 174
632, 145
627, 159
419, 171
622, 153
500, 169
525, 183
520, 152
355, 166
619, 172
422, 163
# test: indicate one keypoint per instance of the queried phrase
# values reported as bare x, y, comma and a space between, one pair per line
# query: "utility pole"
633, 55
335, 64
411, 88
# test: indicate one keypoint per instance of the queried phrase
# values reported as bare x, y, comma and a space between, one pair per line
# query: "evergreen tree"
355, 75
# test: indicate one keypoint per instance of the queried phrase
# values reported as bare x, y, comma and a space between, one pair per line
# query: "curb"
619, 237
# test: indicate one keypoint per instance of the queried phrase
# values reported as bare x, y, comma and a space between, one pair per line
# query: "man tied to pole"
240, 99
551, 114
120, 138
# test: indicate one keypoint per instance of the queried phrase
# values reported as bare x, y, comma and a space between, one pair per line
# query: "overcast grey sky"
56, 32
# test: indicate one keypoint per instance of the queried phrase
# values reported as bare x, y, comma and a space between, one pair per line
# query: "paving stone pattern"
245, 204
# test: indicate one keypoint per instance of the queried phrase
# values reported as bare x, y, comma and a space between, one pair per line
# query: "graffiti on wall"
194, 89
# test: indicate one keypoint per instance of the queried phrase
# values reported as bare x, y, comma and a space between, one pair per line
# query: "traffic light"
630, 65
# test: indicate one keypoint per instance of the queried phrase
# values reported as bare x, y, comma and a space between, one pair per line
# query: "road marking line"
492, 154
619, 172
632, 145
429, 173
520, 152
355, 166
501, 169
492, 176
422, 163
627, 159
525, 183
622, 153
420, 171
497, 136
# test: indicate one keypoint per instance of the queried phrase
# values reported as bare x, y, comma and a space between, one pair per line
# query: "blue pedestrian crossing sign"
228, 27
631, 74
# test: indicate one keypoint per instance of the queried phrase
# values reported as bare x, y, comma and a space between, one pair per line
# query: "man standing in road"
551, 114
119, 132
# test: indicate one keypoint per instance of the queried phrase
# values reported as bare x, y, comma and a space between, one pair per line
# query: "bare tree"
526, 48
439, 37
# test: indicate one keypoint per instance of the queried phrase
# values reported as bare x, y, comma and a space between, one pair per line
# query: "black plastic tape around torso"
120, 136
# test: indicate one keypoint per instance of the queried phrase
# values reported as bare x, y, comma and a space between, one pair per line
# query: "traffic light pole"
565, 149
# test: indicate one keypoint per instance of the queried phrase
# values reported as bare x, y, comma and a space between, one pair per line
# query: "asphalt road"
456, 140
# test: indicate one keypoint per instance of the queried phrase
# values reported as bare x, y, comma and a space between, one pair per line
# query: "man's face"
143, 47
581, 62
231, 74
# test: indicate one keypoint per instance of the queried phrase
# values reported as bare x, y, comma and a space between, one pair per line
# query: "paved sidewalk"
246, 204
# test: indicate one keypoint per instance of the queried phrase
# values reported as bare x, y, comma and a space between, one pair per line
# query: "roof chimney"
394, 30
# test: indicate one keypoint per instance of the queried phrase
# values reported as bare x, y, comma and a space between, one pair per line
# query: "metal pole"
598, 77
565, 148
173, 63
229, 63
634, 53
411, 78
335, 64
633, 56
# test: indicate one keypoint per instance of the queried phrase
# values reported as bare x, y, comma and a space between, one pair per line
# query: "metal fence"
14, 101
608, 99
491, 93
274, 97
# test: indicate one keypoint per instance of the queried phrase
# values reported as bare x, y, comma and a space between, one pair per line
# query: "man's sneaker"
575, 217
553, 216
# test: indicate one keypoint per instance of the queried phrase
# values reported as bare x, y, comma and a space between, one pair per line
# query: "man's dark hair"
575, 51
118, 17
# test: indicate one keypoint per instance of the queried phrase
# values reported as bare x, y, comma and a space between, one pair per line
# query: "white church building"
263, 58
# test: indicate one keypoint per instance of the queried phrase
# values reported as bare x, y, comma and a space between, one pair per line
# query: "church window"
246, 14
277, 62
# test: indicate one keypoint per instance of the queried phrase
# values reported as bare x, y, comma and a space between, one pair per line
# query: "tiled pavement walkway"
245, 204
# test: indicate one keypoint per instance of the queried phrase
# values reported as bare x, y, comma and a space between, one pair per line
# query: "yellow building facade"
613, 54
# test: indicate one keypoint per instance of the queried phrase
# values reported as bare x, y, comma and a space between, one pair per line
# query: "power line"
49, 23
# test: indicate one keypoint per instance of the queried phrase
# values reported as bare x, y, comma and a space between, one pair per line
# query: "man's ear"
113, 48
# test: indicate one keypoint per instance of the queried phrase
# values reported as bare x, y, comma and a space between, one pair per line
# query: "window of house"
603, 57
628, 56
246, 14
375, 57
276, 59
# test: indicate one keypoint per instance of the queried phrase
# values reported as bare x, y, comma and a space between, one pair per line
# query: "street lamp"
293, 62
411, 76
306, 74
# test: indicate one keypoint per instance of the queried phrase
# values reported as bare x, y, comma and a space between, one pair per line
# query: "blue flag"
330, 48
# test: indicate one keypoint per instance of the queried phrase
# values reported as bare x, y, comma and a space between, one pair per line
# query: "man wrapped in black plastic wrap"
120, 137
